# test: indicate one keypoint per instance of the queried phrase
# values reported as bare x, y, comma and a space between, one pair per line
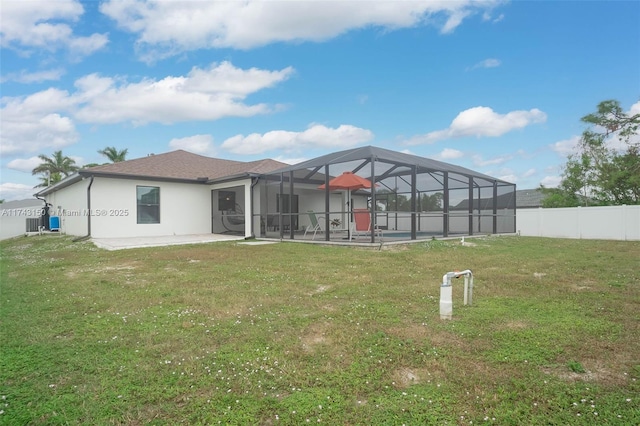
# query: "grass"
292, 334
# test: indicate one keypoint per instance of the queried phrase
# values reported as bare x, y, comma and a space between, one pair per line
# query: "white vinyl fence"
603, 223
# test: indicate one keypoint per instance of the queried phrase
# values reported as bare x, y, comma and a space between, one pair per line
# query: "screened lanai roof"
412, 197
397, 164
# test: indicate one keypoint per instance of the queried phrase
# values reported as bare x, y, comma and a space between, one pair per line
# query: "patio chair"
315, 224
362, 217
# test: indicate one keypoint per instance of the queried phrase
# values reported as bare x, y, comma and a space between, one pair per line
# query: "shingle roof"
527, 198
183, 165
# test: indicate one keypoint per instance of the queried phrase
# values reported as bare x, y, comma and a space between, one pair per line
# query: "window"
148, 201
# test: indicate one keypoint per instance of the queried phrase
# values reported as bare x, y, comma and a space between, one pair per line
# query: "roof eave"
111, 175
69, 180
237, 176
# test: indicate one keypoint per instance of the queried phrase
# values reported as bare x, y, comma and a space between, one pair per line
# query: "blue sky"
495, 86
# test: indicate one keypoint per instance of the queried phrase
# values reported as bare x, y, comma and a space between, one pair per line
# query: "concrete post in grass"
446, 292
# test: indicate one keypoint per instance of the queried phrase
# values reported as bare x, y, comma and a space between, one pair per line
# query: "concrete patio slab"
173, 240
258, 243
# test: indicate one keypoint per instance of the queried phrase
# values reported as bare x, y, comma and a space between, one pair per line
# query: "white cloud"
45, 120
551, 181
80, 161
487, 63
15, 191
482, 122
511, 178
167, 28
316, 136
198, 144
479, 161
566, 147
488, 17
33, 77
203, 94
31, 124
46, 25
291, 160
449, 154
529, 173
24, 165
635, 109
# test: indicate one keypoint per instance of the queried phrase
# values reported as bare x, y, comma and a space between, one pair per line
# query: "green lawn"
290, 334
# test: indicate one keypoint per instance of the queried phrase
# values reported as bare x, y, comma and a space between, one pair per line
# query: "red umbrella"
350, 182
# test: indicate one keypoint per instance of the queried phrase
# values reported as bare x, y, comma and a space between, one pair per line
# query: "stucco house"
181, 193
175, 193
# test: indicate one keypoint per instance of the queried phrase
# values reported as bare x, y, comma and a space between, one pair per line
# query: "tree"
402, 203
432, 202
54, 167
89, 165
114, 155
48, 180
606, 170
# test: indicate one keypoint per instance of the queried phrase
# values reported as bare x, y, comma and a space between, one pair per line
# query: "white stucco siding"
184, 209
70, 204
14, 216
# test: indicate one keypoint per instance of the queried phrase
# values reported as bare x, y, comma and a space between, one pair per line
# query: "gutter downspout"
86, 237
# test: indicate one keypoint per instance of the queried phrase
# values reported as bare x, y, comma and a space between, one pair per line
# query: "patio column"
495, 207
373, 200
445, 205
414, 194
291, 201
281, 205
470, 210
326, 203
248, 211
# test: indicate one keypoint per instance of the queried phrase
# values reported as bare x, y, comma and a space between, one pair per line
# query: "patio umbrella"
351, 182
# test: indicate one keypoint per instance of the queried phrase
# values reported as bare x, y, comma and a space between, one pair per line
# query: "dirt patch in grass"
598, 374
411, 332
127, 266
612, 371
314, 336
405, 377
448, 340
320, 289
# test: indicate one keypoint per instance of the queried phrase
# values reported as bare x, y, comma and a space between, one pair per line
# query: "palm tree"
89, 165
48, 180
114, 155
55, 166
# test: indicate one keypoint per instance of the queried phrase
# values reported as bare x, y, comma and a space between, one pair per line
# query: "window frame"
152, 208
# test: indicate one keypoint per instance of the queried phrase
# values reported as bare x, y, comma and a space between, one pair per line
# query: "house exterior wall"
312, 199
14, 216
70, 204
184, 209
